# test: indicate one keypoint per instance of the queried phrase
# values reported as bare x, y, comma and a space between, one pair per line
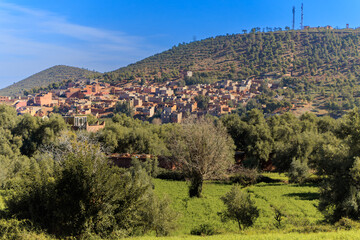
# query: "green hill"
312, 53
51, 75
318, 68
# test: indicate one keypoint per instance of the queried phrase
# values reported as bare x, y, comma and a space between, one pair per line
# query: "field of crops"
298, 204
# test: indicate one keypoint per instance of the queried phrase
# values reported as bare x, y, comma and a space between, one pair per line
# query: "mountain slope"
51, 75
310, 53
316, 70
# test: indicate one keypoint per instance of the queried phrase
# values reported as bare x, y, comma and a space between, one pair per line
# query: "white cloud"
30, 42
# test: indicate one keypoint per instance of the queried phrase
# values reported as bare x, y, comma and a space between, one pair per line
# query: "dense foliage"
126, 135
86, 196
45, 169
63, 184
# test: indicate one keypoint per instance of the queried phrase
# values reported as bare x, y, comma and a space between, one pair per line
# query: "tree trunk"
239, 225
195, 188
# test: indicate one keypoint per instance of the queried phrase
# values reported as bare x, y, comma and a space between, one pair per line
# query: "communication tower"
293, 10
302, 17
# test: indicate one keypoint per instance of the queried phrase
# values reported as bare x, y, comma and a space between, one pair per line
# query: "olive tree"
239, 208
201, 150
86, 196
338, 164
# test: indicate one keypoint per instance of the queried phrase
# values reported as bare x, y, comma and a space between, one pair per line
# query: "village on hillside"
166, 102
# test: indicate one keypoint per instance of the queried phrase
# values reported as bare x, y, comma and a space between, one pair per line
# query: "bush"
170, 175
239, 208
203, 230
11, 229
150, 165
279, 217
14, 229
160, 216
299, 171
245, 177
347, 224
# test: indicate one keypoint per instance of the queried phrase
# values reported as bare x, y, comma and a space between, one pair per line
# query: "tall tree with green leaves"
339, 165
252, 135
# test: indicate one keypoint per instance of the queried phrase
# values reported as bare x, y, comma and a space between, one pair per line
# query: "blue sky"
107, 34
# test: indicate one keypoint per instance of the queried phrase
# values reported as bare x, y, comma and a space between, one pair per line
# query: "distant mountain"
51, 75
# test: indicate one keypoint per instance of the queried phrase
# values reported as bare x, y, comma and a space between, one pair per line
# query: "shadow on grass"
221, 182
304, 196
271, 185
266, 179
260, 179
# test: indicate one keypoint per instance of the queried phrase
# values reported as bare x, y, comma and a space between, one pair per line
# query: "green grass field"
299, 204
2, 204
276, 176
339, 235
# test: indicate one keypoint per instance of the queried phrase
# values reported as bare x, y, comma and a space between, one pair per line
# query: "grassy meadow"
338, 235
302, 220
298, 204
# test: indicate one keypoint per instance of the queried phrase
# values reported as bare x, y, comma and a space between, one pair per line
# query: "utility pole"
302, 17
293, 10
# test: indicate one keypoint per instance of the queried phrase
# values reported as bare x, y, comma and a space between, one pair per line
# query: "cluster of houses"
167, 102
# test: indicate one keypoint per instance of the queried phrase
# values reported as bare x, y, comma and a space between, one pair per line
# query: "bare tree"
201, 150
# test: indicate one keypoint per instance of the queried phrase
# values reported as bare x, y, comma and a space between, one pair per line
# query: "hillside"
300, 53
316, 70
51, 75
318, 65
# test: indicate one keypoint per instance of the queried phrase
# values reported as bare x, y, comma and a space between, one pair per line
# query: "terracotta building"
43, 99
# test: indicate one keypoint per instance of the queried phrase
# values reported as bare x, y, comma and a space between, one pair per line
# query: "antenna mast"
302, 17
293, 10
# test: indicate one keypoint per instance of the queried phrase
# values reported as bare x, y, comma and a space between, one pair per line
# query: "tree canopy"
202, 150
